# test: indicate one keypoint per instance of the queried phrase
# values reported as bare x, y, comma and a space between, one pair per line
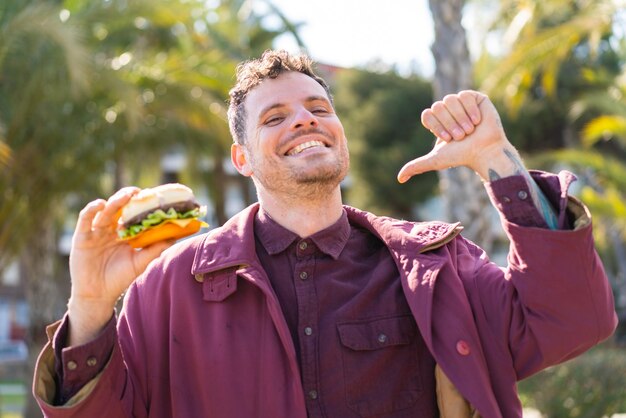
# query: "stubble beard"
305, 185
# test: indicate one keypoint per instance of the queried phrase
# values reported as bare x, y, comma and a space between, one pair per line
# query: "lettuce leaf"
157, 217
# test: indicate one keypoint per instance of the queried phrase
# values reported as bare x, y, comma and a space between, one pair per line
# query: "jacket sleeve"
114, 388
76, 366
553, 301
100, 393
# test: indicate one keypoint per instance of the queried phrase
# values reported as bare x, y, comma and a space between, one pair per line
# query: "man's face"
294, 139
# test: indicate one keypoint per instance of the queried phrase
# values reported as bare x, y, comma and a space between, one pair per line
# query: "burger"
168, 211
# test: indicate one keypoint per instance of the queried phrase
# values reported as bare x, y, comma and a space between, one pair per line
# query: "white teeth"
305, 145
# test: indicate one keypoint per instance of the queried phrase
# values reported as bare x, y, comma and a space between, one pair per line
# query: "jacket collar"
405, 236
233, 244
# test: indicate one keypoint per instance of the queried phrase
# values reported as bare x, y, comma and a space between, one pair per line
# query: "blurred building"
13, 318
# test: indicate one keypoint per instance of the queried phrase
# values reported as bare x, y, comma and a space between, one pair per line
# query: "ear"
240, 160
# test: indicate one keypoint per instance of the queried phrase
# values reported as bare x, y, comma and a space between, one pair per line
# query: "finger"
432, 123
457, 108
87, 214
108, 217
429, 162
440, 119
471, 101
143, 257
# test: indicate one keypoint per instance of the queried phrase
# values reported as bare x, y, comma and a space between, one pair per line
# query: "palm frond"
42, 21
290, 27
608, 204
608, 170
609, 102
604, 128
543, 53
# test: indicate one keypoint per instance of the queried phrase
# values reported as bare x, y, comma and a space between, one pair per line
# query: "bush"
590, 386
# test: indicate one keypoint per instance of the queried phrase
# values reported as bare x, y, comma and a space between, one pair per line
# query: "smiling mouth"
305, 146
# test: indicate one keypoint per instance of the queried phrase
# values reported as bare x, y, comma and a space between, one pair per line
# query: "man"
300, 306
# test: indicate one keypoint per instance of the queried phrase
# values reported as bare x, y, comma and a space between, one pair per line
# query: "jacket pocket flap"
377, 333
218, 286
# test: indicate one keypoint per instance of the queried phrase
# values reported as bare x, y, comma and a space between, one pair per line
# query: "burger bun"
155, 197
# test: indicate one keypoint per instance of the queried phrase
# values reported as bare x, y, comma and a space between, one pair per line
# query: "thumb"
429, 162
143, 257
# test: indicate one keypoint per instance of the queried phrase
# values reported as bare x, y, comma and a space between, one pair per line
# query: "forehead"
287, 88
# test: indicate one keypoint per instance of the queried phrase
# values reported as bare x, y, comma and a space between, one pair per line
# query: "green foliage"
590, 386
37, 27
607, 170
43, 68
560, 52
562, 84
93, 93
537, 126
544, 36
381, 117
607, 106
603, 126
604, 179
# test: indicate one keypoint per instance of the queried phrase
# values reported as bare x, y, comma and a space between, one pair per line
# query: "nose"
303, 118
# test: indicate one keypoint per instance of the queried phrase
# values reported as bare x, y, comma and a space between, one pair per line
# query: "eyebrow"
307, 100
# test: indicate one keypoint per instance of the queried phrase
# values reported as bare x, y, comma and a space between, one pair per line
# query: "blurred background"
99, 94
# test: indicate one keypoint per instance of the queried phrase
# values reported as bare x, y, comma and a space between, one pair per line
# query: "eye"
319, 111
273, 120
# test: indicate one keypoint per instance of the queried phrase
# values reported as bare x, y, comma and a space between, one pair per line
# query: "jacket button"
463, 348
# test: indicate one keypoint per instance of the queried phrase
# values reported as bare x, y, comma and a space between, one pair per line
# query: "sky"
357, 32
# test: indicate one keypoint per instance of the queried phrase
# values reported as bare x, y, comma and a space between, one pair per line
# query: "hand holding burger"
161, 213
102, 265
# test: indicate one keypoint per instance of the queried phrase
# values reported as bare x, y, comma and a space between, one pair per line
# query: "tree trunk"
46, 293
464, 197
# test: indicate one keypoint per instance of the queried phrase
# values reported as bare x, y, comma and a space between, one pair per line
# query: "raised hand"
101, 267
469, 133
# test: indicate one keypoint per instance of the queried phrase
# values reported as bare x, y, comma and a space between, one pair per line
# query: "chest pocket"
380, 363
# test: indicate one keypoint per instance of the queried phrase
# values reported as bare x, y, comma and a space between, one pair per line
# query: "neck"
303, 216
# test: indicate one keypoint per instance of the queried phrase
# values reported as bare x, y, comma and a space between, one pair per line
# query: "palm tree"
464, 197
31, 100
567, 56
540, 36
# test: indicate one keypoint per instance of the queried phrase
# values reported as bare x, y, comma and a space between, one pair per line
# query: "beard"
311, 182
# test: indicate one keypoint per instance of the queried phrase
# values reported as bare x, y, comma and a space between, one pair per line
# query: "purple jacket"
202, 333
